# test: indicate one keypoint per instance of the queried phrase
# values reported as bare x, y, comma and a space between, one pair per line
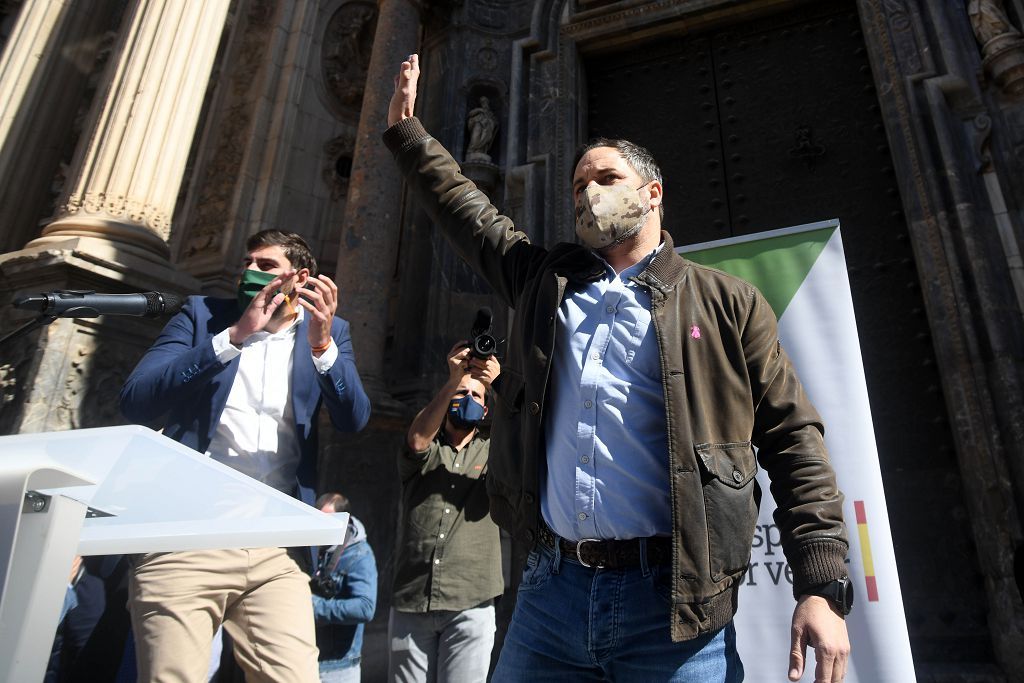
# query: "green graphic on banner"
777, 266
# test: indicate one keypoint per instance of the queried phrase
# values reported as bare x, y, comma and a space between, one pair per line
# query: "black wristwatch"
839, 591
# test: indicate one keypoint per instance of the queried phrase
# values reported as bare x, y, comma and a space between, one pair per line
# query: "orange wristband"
321, 349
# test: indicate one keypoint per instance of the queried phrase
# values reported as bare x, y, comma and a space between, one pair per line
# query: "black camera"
482, 343
325, 585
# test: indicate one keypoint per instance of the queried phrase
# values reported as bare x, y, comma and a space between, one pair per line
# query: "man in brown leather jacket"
635, 389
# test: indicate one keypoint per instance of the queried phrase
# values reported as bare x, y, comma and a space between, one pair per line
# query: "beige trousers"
177, 601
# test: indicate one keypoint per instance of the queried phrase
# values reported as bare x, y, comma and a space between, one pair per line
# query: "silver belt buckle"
579, 558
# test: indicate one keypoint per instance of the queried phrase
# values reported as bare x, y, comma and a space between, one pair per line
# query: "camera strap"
338, 550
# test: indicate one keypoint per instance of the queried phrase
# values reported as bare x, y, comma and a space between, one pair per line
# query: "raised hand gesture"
260, 310
404, 100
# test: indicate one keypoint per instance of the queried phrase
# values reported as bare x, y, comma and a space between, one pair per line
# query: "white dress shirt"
256, 434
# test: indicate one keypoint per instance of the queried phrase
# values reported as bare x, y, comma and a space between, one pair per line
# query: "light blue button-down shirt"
607, 449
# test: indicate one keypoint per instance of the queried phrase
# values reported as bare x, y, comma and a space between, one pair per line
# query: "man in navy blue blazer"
243, 382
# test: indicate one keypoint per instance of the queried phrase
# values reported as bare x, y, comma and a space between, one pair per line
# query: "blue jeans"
349, 674
573, 623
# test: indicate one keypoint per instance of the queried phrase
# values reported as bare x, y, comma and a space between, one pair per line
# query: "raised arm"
174, 369
335, 361
183, 360
485, 239
428, 421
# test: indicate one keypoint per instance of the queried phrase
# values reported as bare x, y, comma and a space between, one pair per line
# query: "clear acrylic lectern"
119, 490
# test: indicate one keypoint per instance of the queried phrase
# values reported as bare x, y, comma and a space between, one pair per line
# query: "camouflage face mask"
610, 214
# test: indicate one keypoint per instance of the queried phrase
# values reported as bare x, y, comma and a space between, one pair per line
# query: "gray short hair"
638, 158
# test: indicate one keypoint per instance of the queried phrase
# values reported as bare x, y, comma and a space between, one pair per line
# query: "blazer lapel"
304, 386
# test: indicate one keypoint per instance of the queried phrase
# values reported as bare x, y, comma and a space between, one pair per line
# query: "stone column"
44, 71
111, 234
371, 227
125, 179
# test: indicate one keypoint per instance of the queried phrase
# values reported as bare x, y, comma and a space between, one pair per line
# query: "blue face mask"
464, 412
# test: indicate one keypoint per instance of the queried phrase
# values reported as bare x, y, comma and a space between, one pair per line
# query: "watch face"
846, 595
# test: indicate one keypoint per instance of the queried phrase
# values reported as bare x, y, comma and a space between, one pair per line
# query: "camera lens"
484, 345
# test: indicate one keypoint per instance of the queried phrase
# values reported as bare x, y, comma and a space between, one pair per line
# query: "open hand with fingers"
260, 310
320, 298
485, 370
458, 362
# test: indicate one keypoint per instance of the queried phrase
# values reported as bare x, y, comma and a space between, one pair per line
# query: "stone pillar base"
68, 374
1004, 62
127, 236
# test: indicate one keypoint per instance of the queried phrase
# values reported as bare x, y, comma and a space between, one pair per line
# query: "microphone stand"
27, 327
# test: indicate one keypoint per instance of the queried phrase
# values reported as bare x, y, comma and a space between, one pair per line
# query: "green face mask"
250, 284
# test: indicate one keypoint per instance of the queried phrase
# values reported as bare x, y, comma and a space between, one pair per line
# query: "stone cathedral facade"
142, 141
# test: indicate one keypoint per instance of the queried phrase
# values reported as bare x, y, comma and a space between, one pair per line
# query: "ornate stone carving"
487, 58
13, 387
496, 16
212, 210
62, 176
118, 206
483, 125
93, 383
989, 20
1001, 43
899, 19
347, 42
636, 13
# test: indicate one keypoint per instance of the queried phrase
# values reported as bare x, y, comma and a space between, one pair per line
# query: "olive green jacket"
728, 390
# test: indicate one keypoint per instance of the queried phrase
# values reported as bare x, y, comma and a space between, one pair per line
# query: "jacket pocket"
509, 388
731, 501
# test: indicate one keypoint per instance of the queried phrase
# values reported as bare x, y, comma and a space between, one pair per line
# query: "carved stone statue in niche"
1001, 43
347, 42
482, 124
989, 20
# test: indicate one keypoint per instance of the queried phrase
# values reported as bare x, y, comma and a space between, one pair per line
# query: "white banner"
802, 272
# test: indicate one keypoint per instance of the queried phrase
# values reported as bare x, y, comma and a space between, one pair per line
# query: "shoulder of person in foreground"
180, 361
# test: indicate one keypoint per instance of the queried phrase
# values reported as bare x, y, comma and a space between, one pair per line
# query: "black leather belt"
610, 554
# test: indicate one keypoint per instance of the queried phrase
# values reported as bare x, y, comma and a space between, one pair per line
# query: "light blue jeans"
573, 623
444, 646
349, 674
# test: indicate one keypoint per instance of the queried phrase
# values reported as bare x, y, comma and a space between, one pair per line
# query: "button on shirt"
607, 448
448, 555
256, 434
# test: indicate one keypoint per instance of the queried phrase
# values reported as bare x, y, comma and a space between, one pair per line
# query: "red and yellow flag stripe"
865, 551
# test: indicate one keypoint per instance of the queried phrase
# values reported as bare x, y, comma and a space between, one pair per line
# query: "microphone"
66, 303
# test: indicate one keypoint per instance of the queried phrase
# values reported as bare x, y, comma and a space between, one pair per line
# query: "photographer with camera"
448, 556
344, 587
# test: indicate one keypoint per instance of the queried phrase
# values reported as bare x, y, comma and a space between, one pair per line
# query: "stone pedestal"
1004, 63
485, 174
68, 374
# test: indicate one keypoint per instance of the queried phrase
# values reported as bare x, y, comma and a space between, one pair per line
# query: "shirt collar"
284, 331
634, 269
